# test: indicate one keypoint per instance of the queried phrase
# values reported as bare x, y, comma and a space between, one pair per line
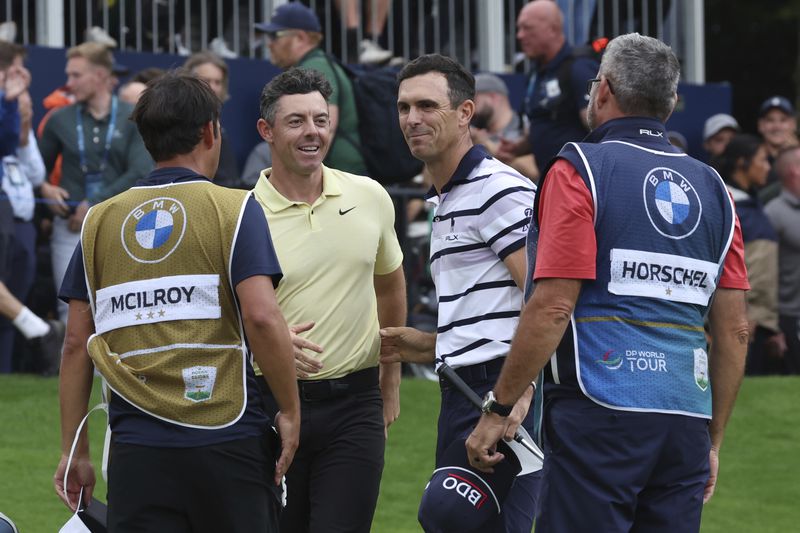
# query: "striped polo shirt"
480, 217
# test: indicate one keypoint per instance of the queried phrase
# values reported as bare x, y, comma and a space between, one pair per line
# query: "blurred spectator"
777, 124
557, 96
147, 74
14, 83
494, 120
784, 214
678, 140
294, 35
60, 97
260, 158
213, 70
718, 130
744, 167
368, 51
103, 153
131, 91
22, 171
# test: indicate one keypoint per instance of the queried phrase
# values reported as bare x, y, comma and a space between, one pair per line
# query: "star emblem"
161, 313
150, 314
138, 316
669, 291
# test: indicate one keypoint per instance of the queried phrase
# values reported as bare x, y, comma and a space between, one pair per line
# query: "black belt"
475, 373
317, 390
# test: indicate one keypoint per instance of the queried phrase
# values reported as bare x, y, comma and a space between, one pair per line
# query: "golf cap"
6, 525
717, 123
490, 83
776, 102
291, 16
459, 498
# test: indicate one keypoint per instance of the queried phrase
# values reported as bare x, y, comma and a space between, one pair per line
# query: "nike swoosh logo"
346, 210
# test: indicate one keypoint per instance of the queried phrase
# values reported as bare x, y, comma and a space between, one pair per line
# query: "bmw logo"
671, 202
152, 230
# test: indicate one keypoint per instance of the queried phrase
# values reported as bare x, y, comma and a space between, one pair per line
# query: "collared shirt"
481, 217
331, 250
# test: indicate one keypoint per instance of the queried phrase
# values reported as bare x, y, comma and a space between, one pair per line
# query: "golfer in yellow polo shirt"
343, 279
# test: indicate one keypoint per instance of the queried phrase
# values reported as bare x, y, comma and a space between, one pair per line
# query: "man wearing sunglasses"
638, 243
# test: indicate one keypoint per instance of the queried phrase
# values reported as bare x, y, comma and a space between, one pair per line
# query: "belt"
317, 390
475, 373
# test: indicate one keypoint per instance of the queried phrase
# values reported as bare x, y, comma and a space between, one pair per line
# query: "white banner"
157, 300
665, 276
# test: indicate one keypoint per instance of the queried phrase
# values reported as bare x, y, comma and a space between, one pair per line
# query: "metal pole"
490, 35
437, 33
236, 47
50, 27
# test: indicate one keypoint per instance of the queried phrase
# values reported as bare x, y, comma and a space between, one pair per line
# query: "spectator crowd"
85, 152
51, 176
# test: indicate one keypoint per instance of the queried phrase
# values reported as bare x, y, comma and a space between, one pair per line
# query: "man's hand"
518, 413
56, 199
25, 117
305, 364
407, 345
81, 475
76, 220
289, 432
482, 443
16, 82
390, 394
507, 150
711, 484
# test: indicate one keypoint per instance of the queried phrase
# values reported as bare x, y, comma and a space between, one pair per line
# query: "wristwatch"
490, 405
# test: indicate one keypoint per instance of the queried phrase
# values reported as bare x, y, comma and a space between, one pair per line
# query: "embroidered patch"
199, 381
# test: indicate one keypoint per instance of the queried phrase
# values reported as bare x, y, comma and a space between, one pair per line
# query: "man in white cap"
718, 130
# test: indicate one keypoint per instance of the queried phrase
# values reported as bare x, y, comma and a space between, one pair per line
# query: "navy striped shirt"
480, 217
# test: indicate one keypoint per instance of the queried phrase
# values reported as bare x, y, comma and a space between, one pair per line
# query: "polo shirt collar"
644, 131
275, 201
167, 175
471, 159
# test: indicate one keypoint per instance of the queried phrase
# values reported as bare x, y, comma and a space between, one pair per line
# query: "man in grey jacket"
784, 215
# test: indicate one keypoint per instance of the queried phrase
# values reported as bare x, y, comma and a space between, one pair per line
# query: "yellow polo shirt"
329, 252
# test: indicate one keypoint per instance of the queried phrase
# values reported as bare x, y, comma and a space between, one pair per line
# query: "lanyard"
109, 136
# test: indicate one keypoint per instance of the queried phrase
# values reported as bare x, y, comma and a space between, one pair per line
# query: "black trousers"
790, 325
225, 487
332, 485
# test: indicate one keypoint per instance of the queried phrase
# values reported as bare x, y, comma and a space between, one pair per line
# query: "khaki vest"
169, 337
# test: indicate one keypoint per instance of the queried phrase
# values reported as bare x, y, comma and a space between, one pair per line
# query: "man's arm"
390, 291
517, 265
729, 339
75, 386
541, 326
271, 346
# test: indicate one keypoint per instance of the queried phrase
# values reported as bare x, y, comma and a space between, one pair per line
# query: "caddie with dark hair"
334, 235
637, 244
482, 210
171, 297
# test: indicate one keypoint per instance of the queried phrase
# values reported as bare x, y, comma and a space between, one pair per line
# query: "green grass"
757, 490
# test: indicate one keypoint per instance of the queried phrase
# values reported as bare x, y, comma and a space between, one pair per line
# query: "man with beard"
494, 119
